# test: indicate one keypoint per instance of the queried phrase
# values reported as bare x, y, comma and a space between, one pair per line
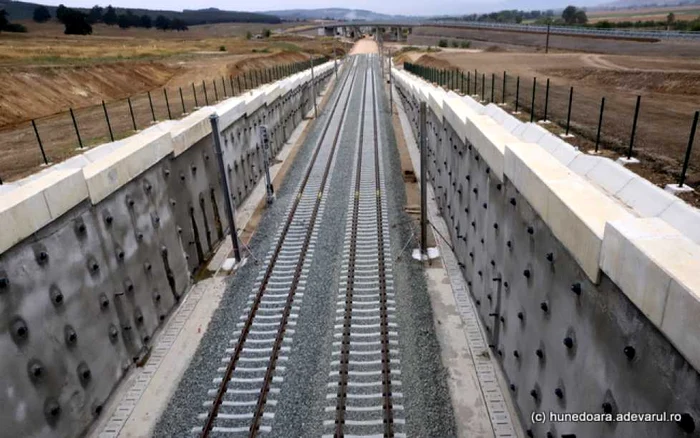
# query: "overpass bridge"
207, 277
400, 29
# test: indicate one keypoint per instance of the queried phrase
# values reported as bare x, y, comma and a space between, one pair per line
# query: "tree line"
7, 26
573, 16
77, 22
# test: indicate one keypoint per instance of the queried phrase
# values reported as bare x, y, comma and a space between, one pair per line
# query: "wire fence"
632, 126
54, 138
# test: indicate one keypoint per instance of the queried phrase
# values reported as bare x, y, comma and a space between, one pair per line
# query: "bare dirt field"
44, 73
669, 88
687, 12
521, 41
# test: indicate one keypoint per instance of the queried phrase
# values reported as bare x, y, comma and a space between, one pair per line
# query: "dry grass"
44, 73
669, 88
689, 12
46, 43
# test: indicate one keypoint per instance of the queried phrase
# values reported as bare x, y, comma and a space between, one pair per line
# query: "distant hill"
628, 4
334, 14
24, 11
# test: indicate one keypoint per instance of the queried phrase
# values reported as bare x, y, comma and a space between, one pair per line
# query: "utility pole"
214, 118
265, 142
313, 86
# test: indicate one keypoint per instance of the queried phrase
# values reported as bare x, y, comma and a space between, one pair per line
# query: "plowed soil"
669, 88
44, 73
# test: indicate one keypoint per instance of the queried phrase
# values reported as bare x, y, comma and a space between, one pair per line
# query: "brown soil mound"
637, 81
260, 62
430, 61
30, 92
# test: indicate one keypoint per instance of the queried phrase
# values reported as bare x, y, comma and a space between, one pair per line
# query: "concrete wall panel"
85, 281
570, 338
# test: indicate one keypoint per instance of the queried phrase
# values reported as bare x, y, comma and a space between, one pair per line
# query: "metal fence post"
150, 102
223, 84
483, 85
532, 105
600, 123
206, 97
214, 118
687, 151
194, 91
469, 82
216, 92
109, 125
634, 127
546, 47
493, 80
233, 90
517, 94
503, 97
182, 101
131, 111
167, 103
423, 190
75, 125
546, 101
568, 113
41, 145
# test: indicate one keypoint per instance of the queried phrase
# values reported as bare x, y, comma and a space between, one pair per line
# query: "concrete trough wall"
97, 250
585, 281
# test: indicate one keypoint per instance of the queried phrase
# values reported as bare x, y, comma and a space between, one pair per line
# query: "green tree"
266, 33
4, 21
442, 43
162, 22
580, 17
95, 14
123, 21
248, 35
61, 12
178, 24
110, 17
569, 14
76, 23
41, 14
146, 22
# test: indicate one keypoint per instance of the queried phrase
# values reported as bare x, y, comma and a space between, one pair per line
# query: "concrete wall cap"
656, 267
138, 154
191, 129
30, 207
610, 175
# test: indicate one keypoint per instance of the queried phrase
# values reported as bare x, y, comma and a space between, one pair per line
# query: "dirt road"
365, 45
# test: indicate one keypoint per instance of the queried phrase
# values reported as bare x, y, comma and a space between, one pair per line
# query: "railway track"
246, 392
365, 375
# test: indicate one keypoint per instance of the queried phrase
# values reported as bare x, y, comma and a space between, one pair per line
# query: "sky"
402, 7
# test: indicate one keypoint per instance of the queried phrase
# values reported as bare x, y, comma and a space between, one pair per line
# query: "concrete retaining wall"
95, 251
584, 274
